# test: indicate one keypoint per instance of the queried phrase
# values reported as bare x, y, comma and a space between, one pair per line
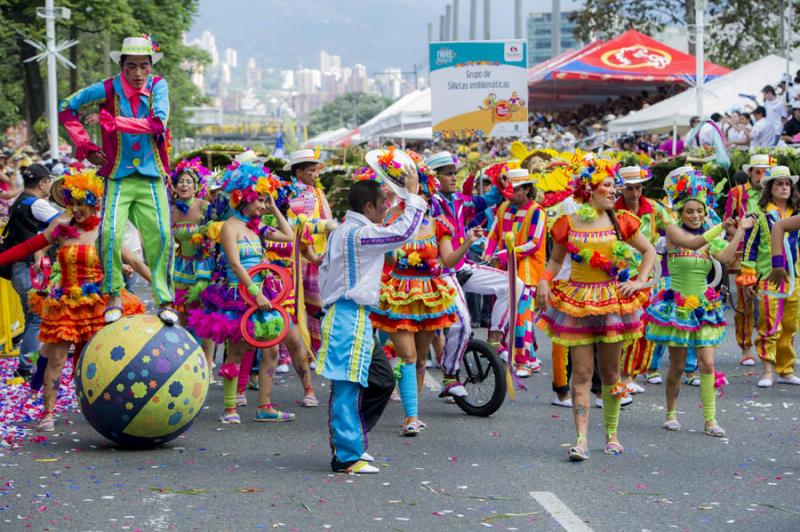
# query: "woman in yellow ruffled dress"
599, 305
415, 301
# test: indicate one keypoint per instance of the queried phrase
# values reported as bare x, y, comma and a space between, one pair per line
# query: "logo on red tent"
637, 56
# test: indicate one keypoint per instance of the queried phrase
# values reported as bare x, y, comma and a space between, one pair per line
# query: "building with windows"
540, 36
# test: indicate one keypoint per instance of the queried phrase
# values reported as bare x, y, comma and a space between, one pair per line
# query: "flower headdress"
690, 185
389, 164
590, 173
365, 173
194, 168
83, 186
245, 182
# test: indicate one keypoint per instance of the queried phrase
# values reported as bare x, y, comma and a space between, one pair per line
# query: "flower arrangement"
693, 185
618, 268
245, 182
414, 261
365, 173
389, 164
84, 186
428, 184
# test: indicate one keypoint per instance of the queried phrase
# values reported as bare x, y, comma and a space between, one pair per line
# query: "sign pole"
699, 12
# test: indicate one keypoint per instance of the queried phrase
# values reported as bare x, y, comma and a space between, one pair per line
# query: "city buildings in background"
540, 36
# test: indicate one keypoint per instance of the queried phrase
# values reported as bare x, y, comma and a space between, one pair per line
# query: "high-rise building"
287, 79
359, 81
307, 80
540, 36
208, 43
232, 57
329, 63
252, 74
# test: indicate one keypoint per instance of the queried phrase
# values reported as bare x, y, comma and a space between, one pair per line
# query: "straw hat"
301, 156
778, 172
759, 160
138, 46
388, 164
632, 175
519, 177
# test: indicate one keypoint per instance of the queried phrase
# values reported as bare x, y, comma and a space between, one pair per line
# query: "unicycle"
483, 374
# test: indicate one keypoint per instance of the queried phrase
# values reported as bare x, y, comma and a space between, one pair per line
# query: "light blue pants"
348, 435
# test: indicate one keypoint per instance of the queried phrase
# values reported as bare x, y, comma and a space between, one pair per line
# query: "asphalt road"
464, 473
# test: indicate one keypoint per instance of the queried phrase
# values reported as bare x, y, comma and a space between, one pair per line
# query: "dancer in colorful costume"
599, 304
250, 190
134, 160
522, 217
743, 199
687, 313
415, 300
458, 208
777, 304
349, 283
72, 311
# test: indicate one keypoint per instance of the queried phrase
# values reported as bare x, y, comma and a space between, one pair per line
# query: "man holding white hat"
134, 160
308, 199
458, 208
743, 199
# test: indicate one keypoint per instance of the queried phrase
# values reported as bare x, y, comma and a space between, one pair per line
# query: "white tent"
420, 133
327, 137
719, 95
412, 111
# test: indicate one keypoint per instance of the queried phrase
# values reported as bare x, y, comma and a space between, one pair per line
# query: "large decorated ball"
140, 382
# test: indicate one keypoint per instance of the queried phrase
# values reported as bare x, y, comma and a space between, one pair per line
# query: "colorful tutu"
190, 270
415, 303
588, 313
690, 321
76, 316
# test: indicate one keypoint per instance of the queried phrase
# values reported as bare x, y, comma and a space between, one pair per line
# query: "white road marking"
560, 512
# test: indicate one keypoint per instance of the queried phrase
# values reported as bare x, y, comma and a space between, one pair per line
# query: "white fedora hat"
250, 157
759, 160
301, 156
519, 177
138, 46
632, 175
778, 172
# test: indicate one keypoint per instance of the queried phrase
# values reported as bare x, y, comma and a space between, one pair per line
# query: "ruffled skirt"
76, 319
415, 304
696, 323
588, 313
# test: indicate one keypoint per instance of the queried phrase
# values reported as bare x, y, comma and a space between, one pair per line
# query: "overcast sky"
377, 33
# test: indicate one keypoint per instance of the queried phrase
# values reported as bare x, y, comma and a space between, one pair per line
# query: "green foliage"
348, 110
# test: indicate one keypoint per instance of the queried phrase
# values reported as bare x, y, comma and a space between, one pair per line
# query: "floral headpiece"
428, 184
83, 186
690, 185
389, 164
365, 173
153, 43
245, 182
194, 168
590, 173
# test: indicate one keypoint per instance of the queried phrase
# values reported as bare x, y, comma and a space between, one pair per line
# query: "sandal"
310, 400
748, 360
714, 430
691, 381
613, 448
276, 416
577, 454
672, 424
241, 399
168, 315
46, 424
230, 417
411, 429
112, 314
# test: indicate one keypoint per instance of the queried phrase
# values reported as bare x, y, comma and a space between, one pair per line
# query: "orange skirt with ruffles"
415, 304
591, 299
76, 319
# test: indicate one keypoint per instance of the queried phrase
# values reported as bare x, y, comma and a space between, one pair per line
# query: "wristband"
253, 289
713, 233
778, 261
547, 275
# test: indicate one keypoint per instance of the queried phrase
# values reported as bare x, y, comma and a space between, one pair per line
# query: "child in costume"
415, 301
72, 311
599, 304
777, 305
194, 257
687, 313
134, 160
250, 189
349, 282
522, 217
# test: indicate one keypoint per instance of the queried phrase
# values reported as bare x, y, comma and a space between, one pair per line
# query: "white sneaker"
791, 379
429, 363
367, 457
655, 379
361, 468
765, 383
748, 361
282, 368
312, 365
566, 403
635, 388
598, 402
625, 401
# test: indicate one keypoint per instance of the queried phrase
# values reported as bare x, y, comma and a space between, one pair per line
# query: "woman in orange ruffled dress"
72, 312
415, 301
599, 305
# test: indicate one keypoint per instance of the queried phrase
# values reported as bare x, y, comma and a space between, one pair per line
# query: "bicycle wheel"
483, 374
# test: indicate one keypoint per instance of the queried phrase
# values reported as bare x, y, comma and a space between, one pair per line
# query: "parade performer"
72, 311
307, 198
777, 306
686, 313
457, 209
194, 258
522, 217
599, 304
655, 218
743, 199
349, 283
219, 318
415, 300
135, 162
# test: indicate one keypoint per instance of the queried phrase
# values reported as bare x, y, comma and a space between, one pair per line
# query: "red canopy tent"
627, 65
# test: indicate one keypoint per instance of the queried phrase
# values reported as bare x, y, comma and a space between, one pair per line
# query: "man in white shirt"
349, 285
764, 132
775, 109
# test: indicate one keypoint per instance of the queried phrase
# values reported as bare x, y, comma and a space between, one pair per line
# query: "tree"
737, 31
348, 110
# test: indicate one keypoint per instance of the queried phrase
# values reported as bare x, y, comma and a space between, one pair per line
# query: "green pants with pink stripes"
142, 200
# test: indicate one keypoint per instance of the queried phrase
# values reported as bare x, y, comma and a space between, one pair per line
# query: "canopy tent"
736, 89
627, 65
412, 111
327, 138
420, 133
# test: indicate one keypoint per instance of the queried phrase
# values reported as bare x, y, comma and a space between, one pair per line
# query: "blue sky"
377, 33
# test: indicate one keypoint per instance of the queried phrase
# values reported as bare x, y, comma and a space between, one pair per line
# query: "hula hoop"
717, 273
268, 343
286, 284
